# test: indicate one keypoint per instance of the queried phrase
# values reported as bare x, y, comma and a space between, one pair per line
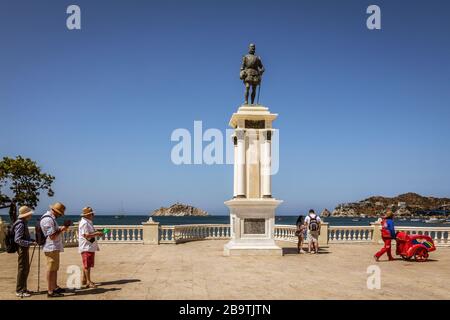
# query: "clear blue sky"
361, 112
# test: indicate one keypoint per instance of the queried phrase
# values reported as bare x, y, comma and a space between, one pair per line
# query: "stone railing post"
323, 237
3, 226
376, 238
150, 232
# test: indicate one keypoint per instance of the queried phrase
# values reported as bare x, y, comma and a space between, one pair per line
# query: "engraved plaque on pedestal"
255, 124
254, 226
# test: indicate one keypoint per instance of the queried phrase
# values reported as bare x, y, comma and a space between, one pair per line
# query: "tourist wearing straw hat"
23, 240
53, 246
87, 244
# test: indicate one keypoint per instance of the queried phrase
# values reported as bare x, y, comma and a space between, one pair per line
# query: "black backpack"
11, 245
313, 224
40, 236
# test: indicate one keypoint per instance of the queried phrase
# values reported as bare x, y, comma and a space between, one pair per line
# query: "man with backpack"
23, 242
312, 222
53, 246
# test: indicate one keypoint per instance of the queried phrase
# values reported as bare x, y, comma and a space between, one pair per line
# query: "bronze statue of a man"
251, 72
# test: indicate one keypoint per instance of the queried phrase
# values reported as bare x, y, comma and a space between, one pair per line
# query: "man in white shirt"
312, 222
53, 246
87, 244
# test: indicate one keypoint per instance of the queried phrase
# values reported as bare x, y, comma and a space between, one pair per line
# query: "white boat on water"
415, 220
434, 220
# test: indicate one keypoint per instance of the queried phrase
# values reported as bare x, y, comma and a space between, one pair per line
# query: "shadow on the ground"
289, 251
123, 281
84, 291
78, 292
412, 261
93, 291
98, 290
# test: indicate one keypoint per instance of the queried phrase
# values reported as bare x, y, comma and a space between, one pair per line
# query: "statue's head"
251, 48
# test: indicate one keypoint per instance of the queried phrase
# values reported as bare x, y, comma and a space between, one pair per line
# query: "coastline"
225, 219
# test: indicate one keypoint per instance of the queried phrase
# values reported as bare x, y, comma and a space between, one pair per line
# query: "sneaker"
23, 294
376, 258
302, 251
59, 290
54, 294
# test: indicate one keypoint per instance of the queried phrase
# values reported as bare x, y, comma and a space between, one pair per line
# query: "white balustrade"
350, 234
121, 234
192, 232
285, 233
167, 234
70, 237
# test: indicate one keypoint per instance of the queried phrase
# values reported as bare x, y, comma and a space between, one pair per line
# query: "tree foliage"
25, 181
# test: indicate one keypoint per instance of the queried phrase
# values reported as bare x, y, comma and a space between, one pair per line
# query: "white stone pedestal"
252, 209
252, 223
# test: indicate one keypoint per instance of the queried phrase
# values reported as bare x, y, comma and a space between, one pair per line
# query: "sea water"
223, 219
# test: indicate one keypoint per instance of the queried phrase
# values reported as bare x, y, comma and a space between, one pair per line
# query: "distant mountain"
179, 210
407, 204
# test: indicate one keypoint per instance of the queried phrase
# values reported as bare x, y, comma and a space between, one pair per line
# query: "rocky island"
405, 205
179, 210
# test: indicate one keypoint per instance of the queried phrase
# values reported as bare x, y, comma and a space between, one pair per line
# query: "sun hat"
389, 214
24, 212
87, 211
58, 207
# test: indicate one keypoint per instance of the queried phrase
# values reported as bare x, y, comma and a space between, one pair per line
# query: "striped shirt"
22, 234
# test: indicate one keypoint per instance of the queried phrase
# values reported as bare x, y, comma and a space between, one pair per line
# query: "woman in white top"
87, 244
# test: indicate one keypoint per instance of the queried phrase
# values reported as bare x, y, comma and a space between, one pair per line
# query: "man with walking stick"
23, 240
251, 73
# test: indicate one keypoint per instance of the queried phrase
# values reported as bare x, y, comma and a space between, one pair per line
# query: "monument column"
266, 162
235, 169
252, 211
241, 176
253, 164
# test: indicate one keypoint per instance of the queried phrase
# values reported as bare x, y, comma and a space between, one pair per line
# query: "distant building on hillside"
401, 204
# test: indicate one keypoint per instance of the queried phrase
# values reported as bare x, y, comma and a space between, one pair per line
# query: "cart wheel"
406, 258
421, 255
